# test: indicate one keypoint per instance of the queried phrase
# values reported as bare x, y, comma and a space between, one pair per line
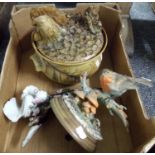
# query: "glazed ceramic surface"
66, 72
72, 125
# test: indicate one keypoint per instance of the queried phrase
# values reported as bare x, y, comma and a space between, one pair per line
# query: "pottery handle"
38, 62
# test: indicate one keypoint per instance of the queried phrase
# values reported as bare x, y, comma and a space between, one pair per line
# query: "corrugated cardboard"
18, 71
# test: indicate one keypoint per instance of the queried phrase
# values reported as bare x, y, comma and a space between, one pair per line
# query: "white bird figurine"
31, 98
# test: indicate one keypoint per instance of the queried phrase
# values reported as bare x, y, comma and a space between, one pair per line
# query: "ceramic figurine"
83, 127
66, 44
30, 97
83, 102
79, 105
30, 134
47, 29
80, 38
117, 84
113, 85
33, 106
58, 15
92, 19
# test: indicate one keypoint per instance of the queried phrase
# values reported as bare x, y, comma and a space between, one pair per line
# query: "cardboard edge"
131, 70
4, 63
18, 7
13, 10
2, 78
146, 147
153, 6
125, 7
112, 6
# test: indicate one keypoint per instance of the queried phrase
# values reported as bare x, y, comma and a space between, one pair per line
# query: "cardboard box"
18, 71
153, 6
125, 7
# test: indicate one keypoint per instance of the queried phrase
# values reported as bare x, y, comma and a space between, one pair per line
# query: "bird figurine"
117, 84
113, 85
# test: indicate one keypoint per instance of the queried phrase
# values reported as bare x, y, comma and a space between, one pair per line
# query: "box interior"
18, 72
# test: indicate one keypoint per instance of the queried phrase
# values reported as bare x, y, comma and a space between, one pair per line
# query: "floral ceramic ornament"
31, 108
78, 106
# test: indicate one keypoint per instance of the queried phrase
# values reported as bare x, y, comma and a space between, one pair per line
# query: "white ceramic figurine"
31, 98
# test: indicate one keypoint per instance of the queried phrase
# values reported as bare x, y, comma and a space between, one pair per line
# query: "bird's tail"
144, 81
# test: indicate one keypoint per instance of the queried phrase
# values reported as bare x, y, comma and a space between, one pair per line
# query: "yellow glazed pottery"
66, 72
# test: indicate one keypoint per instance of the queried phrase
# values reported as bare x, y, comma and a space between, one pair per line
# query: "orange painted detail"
92, 98
87, 104
89, 108
105, 81
80, 94
93, 110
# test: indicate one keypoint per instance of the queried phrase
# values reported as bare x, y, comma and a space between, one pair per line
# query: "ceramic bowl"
67, 72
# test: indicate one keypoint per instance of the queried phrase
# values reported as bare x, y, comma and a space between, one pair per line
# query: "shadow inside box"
143, 60
3, 46
4, 29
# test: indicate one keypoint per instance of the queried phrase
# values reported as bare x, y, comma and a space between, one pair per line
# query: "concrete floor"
143, 60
